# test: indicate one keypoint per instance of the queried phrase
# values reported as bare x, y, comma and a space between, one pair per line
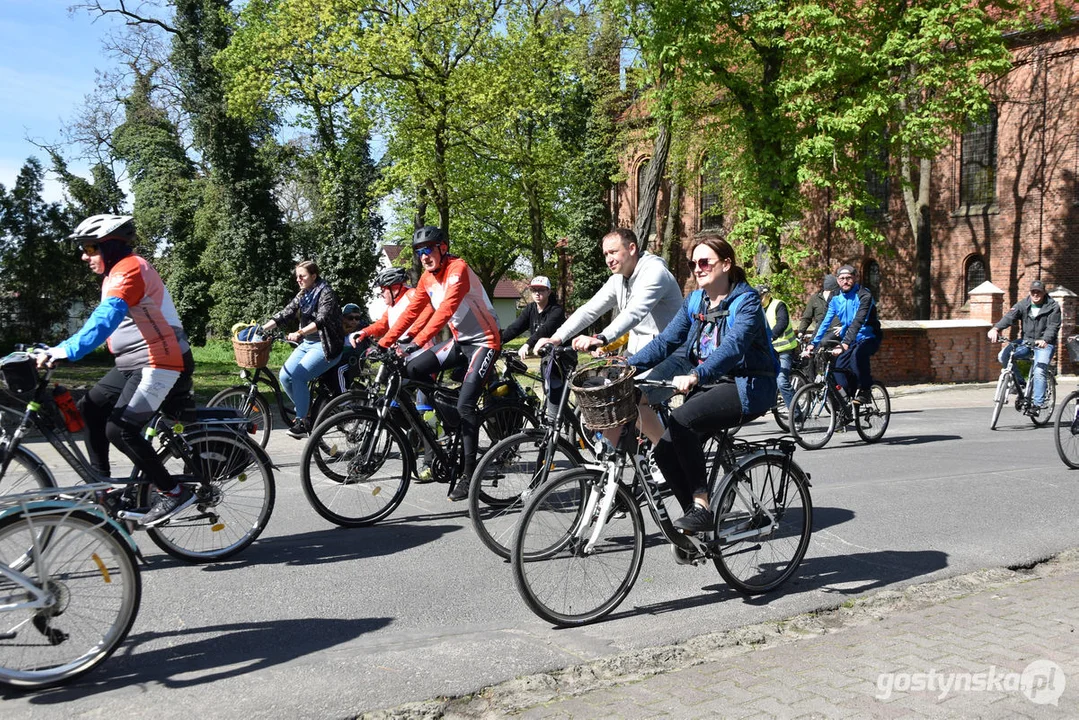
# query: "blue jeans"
783, 380
305, 364
1042, 358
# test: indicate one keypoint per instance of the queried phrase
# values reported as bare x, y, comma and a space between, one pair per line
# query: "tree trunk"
671, 248
647, 195
918, 217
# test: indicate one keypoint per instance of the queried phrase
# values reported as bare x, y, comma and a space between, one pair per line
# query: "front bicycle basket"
253, 354
605, 394
19, 373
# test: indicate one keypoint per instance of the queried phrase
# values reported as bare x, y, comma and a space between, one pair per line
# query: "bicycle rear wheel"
1045, 412
505, 478
815, 416
1066, 431
232, 507
255, 409
1000, 397
94, 583
872, 420
557, 579
355, 468
764, 518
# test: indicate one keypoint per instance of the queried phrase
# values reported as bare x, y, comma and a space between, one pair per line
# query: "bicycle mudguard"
41, 507
37, 462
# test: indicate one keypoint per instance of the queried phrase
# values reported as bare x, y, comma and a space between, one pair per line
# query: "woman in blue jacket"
723, 329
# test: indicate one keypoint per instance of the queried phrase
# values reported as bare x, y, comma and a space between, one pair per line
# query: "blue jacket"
857, 313
743, 351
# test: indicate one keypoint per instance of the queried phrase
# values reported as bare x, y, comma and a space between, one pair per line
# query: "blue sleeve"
826, 322
663, 345
102, 322
748, 322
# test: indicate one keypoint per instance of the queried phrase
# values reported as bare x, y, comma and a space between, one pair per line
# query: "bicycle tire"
94, 570
256, 411
763, 562
232, 508
1045, 414
816, 416
505, 477
1000, 397
872, 421
553, 576
25, 471
1066, 430
365, 477
780, 411
351, 399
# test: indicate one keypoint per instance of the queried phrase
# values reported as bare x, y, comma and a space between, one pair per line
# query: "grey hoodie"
646, 301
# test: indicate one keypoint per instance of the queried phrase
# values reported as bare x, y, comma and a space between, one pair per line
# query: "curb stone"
520, 694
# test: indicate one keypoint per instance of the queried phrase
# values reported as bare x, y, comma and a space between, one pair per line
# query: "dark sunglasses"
90, 250
704, 264
425, 250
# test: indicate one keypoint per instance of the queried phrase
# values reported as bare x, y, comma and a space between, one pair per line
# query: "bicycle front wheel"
1044, 414
505, 478
558, 576
780, 411
1000, 397
355, 468
764, 517
1066, 431
253, 407
232, 506
815, 416
23, 473
89, 576
871, 420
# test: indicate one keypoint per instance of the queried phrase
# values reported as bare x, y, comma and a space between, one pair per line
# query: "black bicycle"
357, 464
822, 407
230, 475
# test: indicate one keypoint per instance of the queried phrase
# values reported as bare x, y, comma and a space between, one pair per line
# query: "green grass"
215, 368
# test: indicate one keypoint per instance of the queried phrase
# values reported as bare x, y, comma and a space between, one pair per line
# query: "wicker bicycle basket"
1073, 347
252, 355
605, 394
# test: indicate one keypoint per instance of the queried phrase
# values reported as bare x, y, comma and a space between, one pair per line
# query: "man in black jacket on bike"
1039, 317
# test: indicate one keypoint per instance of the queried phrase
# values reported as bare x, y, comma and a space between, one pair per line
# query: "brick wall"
937, 351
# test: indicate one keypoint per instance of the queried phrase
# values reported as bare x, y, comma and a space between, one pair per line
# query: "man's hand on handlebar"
404, 349
993, 334
544, 342
584, 343
47, 357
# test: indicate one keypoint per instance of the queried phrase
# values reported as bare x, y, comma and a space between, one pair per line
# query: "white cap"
540, 281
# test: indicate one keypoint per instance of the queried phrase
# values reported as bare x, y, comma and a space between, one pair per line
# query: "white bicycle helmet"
105, 227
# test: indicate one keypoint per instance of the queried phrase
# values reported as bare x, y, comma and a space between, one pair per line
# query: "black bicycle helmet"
98, 228
391, 277
428, 235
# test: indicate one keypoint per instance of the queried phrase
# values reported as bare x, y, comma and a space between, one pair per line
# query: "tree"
43, 277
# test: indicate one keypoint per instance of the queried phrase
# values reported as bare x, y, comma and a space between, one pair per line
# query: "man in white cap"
540, 317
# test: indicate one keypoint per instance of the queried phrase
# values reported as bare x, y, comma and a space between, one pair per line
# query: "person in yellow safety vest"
783, 340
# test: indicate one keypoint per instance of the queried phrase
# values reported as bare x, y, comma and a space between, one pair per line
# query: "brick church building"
1005, 208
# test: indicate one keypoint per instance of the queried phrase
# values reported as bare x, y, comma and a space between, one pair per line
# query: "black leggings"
113, 413
680, 452
478, 362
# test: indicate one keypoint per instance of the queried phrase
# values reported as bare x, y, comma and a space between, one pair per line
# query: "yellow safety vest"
785, 342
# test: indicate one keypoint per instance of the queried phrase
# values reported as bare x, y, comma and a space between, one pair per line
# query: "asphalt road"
317, 621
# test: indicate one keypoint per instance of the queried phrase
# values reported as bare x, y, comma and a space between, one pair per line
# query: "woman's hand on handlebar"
685, 383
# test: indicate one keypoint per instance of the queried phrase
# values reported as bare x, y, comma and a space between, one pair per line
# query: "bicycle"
580, 540
1010, 381
251, 403
70, 586
1066, 421
799, 378
357, 464
230, 475
822, 406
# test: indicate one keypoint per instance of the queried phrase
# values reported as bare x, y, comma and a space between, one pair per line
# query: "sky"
47, 62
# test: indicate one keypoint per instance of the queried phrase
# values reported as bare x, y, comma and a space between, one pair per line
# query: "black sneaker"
863, 398
699, 519
166, 505
298, 429
460, 491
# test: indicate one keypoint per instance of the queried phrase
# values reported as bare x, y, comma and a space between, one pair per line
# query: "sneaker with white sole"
166, 505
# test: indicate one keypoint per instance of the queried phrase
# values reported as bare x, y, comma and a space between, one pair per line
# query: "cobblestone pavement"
998, 643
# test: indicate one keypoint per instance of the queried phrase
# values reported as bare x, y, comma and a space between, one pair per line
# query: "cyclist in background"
722, 329
646, 297
856, 313
783, 340
137, 318
817, 306
540, 318
452, 289
1039, 319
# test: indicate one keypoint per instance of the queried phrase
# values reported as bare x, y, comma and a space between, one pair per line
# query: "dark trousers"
680, 452
478, 362
853, 364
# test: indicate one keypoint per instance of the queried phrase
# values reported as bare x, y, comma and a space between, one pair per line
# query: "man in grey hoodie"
641, 289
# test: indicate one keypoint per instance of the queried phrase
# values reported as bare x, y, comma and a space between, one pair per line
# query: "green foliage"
43, 278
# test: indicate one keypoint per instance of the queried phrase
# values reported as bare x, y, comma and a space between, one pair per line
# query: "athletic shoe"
166, 505
298, 429
460, 491
698, 520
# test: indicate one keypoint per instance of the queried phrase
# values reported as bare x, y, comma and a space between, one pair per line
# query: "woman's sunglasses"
90, 250
703, 264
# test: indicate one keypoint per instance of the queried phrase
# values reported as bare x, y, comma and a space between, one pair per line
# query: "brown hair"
309, 266
626, 235
723, 251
